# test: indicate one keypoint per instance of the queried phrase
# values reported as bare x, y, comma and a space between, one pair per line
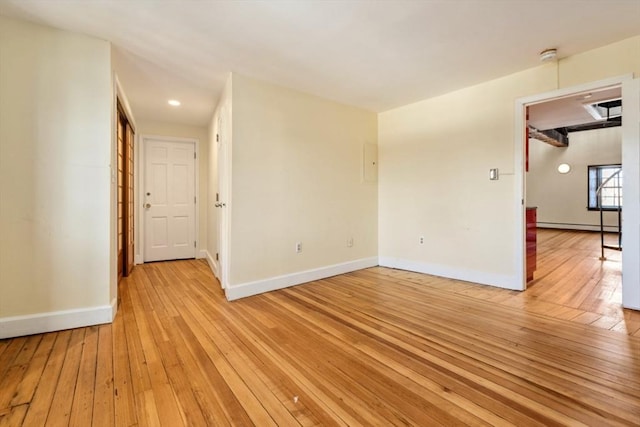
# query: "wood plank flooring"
373, 347
571, 283
572, 274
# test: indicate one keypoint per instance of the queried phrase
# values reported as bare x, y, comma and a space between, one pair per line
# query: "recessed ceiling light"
174, 102
564, 168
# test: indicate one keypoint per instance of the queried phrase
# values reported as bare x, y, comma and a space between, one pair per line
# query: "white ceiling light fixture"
174, 102
564, 168
548, 55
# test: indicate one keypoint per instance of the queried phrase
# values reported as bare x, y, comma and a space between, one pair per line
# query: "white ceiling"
569, 111
373, 54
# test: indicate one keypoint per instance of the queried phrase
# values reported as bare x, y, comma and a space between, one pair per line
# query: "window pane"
593, 185
609, 178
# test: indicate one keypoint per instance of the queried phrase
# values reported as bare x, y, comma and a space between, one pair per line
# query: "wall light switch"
493, 174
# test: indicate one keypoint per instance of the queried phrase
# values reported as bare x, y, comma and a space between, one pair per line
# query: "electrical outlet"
350, 242
298, 247
421, 240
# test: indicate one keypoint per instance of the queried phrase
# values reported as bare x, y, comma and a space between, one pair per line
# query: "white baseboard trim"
632, 307
480, 277
213, 265
201, 254
114, 309
40, 323
260, 286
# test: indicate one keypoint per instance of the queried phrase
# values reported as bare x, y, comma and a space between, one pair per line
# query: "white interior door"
222, 202
169, 200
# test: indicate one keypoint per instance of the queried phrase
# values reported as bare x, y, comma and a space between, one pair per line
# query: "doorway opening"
573, 186
561, 239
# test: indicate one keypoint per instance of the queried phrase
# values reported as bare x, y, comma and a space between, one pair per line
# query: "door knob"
147, 205
219, 205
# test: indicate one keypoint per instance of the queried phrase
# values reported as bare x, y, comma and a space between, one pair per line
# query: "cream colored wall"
296, 177
562, 199
435, 157
148, 127
55, 147
609, 61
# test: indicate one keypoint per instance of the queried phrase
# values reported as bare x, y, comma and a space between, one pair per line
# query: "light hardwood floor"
571, 283
371, 347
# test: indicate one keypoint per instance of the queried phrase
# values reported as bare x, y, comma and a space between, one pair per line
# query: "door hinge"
194, 243
217, 197
217, 137
194, 155
194, 199
217, 257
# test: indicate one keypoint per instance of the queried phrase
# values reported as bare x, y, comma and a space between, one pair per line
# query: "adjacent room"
301, 212
575, 147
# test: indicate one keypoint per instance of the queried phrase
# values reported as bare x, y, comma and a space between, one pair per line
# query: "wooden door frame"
120, 146
140, 171
130, 198
630, 157
124, 264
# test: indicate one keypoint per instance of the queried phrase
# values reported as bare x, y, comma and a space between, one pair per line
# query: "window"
610, 178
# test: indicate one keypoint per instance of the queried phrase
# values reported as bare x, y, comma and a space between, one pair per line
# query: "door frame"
630, 162
140, 171
217, 253
223, 218
129, 129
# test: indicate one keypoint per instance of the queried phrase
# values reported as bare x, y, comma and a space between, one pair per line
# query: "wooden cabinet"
531, 219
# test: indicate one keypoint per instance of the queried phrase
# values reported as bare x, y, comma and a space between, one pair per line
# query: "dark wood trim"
126, 194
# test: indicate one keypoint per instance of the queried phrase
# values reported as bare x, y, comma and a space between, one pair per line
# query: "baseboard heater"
580, 227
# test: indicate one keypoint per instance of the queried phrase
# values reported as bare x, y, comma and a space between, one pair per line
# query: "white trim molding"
481, 277
260, 286
41, 323
213, 265
631, 188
